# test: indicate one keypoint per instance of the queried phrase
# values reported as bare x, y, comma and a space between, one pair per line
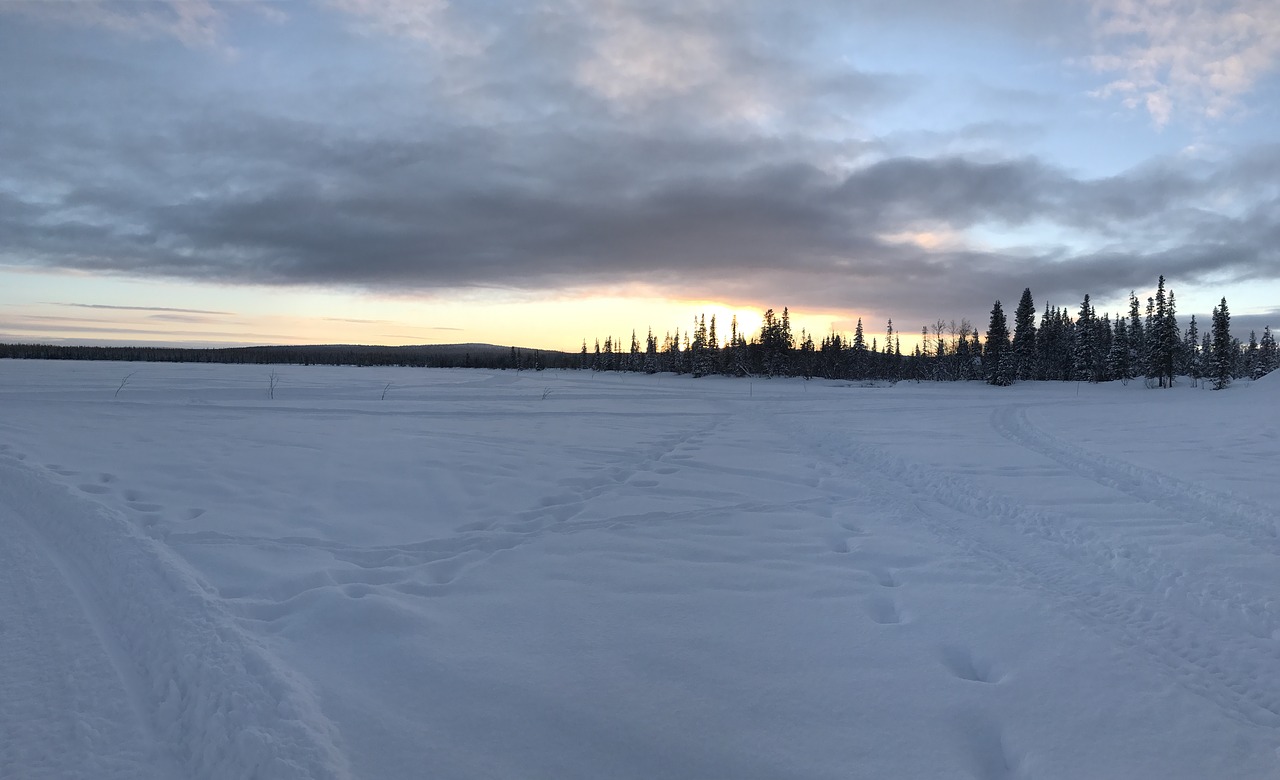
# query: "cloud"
430, 21
195, 23
23, 326
1198, 57
138, 308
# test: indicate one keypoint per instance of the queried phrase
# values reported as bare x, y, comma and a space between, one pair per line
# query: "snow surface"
566, 575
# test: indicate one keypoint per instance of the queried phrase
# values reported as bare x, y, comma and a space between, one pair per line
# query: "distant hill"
423, 355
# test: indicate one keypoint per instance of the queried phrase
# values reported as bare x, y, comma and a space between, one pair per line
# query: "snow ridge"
222, 702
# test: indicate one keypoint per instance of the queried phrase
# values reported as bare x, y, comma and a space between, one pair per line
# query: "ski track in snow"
1193, 503
215, 701
67, 708
445, 560
1124, 593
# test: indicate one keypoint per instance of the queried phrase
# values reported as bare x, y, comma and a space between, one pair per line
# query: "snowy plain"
490, 574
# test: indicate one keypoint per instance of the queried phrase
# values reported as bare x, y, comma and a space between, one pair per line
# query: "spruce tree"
1172, 347
1159, 359
1118, 365
1223, 362
995, 371
1251, 356
1137, 338
1024, 337
1046, 343
858, 359
699, 363
634, 361
1085, 355
975, 351
1269, 356
963, 356
1191, 351
807, 355
1103, 341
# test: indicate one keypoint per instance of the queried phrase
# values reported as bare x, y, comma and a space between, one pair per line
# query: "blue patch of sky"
965, 84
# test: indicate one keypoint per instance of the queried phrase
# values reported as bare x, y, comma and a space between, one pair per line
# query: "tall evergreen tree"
1171, 350
1190, 352
776, 343
807, 357
699, 354
1024, 337
1137, 337
1224, 359
996, 370
1118, 365
1251, 356
634, 361
651, 353
1269, 355
1162, 337
1085, 354
858, 362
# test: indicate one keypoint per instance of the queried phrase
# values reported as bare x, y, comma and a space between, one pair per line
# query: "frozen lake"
490, 574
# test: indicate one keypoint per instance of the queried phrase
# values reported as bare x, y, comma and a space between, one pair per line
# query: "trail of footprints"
989, 753
105, 485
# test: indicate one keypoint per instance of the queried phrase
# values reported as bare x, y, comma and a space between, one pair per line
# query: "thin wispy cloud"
356, 321
195, 23
139, 308
18, 327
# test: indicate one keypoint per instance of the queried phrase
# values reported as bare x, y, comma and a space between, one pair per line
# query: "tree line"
427, 356
1146, 342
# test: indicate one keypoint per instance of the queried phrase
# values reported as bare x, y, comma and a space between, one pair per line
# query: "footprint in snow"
885, 578
884, 611
838, 544
962, 663
991, 755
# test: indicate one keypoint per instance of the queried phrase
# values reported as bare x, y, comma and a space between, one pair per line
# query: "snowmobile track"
1193, 503
1055, 556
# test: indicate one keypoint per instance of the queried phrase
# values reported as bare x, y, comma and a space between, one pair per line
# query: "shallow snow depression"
561, 575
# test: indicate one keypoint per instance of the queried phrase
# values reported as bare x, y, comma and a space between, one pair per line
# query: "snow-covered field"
559, 575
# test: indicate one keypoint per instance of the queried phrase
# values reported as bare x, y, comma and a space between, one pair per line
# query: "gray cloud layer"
524, 150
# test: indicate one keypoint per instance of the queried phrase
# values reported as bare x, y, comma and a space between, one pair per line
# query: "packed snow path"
560, 575
67, 702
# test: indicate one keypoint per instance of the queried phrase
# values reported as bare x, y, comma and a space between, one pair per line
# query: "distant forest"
425, 356
1146, 344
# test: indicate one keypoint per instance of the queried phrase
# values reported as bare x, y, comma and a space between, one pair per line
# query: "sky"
544, 171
